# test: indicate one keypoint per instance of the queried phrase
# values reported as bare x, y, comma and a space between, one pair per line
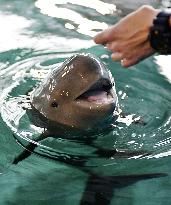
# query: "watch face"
160, 41
160, 34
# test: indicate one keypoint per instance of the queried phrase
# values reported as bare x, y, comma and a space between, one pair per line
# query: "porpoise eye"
54, 104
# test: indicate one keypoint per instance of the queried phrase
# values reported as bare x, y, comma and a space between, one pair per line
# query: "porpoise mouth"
99, 93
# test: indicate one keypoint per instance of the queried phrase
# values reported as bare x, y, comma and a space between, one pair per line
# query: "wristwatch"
160, 33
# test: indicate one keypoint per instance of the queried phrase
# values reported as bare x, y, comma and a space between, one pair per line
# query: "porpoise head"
79, 94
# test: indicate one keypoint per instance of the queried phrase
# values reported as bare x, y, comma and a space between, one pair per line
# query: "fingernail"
116, 56
108, 45
124, 63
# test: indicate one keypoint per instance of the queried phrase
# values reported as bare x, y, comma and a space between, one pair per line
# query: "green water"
33, 41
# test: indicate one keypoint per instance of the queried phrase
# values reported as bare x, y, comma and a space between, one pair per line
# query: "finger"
105, 36
128, 62
139, 54
116, 47
117, 56
112, 46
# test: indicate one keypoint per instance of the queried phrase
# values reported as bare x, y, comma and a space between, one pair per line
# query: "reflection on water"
14, 36
163, 65
37, 36
77, 21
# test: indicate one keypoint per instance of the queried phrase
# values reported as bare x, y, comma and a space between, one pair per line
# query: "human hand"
128, 39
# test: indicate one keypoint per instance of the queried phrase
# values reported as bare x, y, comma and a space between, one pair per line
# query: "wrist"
149, 13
